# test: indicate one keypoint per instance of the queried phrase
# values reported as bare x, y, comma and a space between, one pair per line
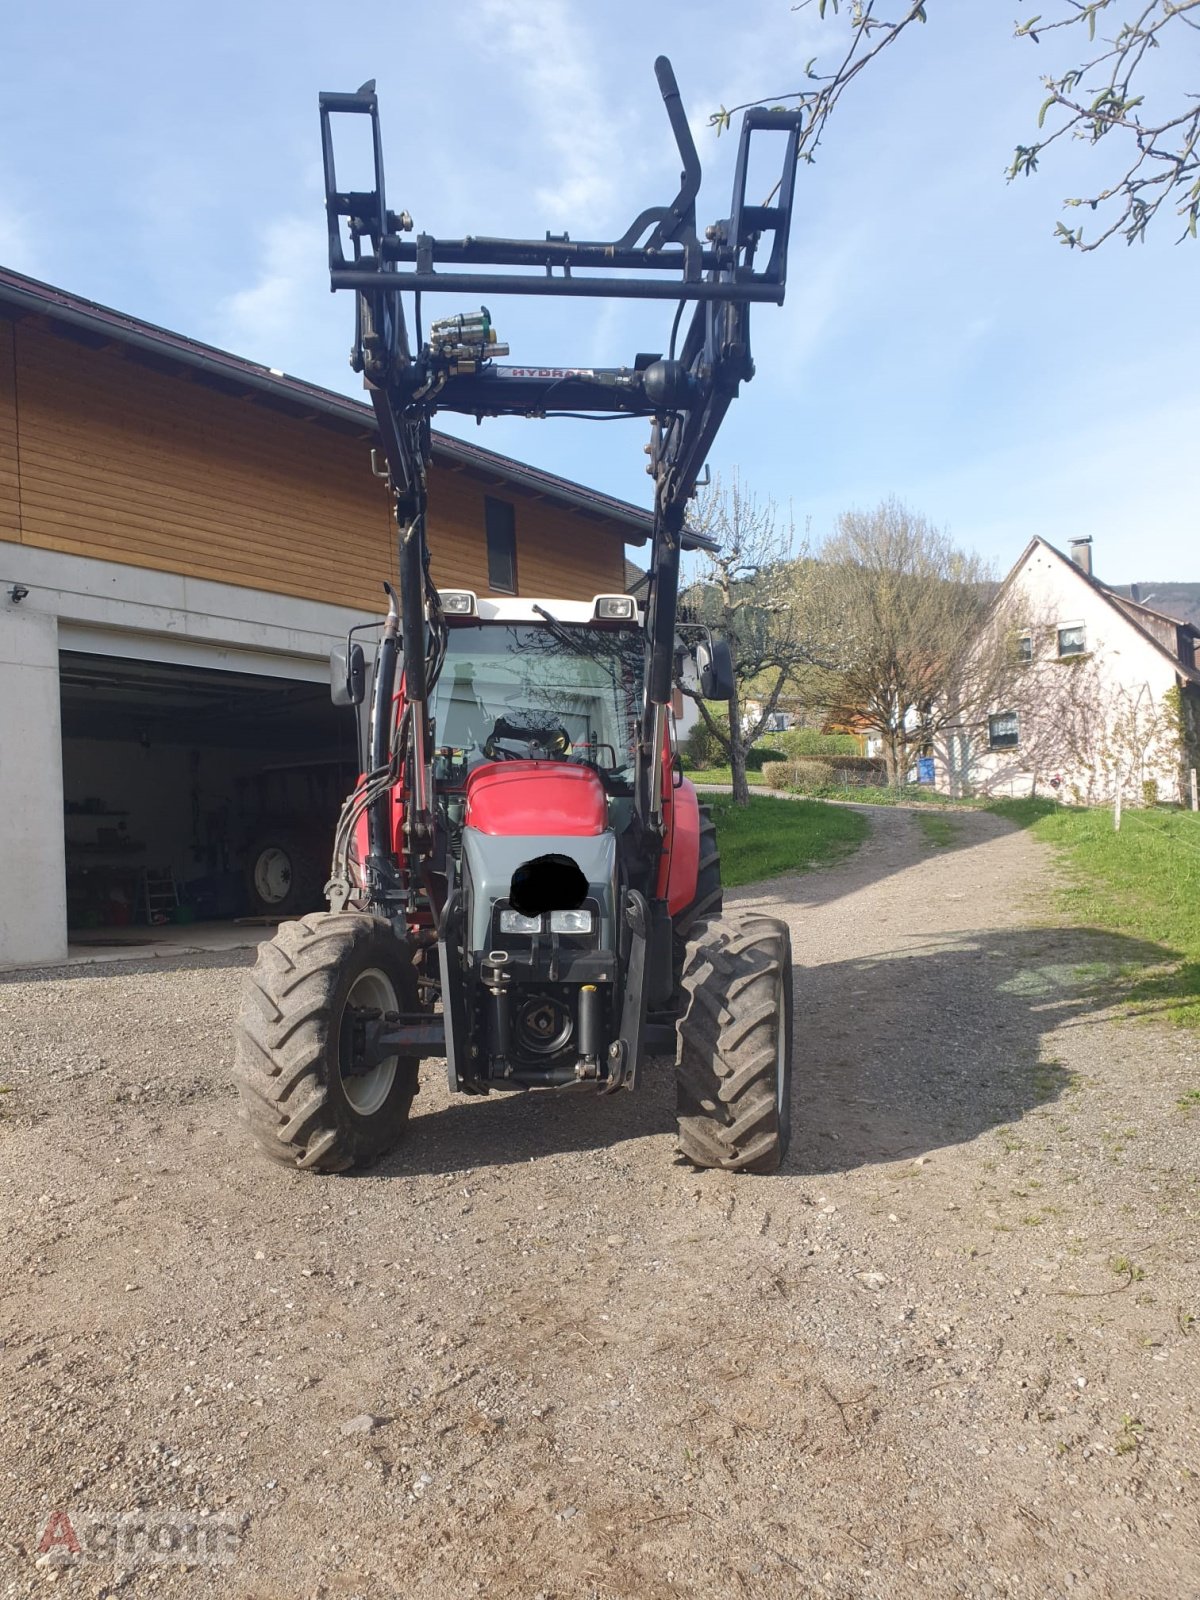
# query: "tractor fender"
682, 858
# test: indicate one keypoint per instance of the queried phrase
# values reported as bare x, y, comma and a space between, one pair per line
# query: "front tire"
706, 902
734, 1080
299, 1102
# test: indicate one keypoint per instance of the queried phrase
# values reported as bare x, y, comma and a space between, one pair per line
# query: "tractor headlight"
614, 608
570, 922
514, 922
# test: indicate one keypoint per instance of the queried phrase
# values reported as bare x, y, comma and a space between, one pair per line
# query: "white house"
1088, 691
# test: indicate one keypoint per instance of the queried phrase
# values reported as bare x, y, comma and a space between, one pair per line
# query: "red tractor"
523, 882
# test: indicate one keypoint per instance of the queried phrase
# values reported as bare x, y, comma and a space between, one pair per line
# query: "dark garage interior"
196, 795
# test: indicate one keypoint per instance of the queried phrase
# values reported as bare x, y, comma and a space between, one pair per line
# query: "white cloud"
267, 321
580, 135
16, 240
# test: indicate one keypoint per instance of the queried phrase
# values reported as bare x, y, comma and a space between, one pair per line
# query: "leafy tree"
1094, 99
752, 592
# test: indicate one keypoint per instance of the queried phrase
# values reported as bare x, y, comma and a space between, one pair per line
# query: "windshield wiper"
563, 635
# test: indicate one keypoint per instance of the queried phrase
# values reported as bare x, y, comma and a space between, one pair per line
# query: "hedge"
811, 774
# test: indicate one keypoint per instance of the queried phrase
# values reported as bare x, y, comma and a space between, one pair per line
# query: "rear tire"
734, 1081
290, 1051
285, 874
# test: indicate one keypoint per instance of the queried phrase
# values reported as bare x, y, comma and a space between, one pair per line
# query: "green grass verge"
940, 832
858, 794
1143, 882
911, 794
770, 838
722, 775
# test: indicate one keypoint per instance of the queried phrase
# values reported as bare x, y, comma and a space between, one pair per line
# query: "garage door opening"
194, 795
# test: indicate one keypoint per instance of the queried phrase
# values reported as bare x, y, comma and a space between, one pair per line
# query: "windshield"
518, 691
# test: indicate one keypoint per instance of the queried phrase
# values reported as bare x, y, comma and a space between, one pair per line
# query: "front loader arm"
685, 392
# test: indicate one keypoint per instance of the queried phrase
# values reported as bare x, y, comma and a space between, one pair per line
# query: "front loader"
523, 882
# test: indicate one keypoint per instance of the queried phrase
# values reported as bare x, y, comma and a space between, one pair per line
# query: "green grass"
1143, 882
722, 775
939, 832
857, 794
910, 794
771, 838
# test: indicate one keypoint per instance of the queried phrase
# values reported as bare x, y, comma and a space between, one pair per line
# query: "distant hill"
1178, 600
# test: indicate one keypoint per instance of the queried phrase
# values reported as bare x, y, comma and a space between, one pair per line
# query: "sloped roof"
1127, 610
98, 324
1178, 601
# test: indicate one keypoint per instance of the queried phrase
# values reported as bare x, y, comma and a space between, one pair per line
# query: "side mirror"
714, 669
347, 674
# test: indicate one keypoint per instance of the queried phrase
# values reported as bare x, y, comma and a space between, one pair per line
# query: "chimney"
1081, 554
1135, 593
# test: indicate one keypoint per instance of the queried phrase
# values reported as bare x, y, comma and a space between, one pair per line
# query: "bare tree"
1092, 99
751, 592
907, 606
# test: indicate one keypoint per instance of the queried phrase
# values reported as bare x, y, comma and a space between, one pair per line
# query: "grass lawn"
912, 794
940, 832
721, 775
863, 795
1143, 881
771, 837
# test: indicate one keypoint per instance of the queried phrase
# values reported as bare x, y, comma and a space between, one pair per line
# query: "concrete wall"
1094, 721
106, 608
33, 906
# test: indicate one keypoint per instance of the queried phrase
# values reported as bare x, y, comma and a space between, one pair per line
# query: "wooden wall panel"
10, 517
120, 462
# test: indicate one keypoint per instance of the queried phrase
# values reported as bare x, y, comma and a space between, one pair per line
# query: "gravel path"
949, 1351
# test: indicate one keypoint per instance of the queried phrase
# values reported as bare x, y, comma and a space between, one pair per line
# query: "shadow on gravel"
508, 1127
896, 1055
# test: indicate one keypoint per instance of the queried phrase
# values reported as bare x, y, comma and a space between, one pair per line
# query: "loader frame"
684, 392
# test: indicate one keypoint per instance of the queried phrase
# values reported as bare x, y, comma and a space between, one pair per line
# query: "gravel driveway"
950, 1350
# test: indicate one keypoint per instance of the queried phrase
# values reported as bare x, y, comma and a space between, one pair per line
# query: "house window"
1024, 647
1072, 641
500, 525
1003, 731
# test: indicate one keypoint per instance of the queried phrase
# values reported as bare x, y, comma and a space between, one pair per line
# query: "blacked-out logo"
135, 1538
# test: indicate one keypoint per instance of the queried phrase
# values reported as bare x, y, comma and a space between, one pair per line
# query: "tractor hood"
535, 798
519, 810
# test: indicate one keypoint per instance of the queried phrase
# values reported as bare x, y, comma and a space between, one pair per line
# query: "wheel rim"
272, 875
367, 1091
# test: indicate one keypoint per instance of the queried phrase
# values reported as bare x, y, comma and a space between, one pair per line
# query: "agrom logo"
134, 1537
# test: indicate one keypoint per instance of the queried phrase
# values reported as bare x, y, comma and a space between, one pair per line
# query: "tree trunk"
894, 757
737, 753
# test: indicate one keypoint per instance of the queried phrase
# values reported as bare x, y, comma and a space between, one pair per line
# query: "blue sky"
937, 343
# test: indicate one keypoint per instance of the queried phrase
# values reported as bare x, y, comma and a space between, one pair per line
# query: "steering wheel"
545, 741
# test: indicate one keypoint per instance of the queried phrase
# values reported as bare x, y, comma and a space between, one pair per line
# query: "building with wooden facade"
183, 536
